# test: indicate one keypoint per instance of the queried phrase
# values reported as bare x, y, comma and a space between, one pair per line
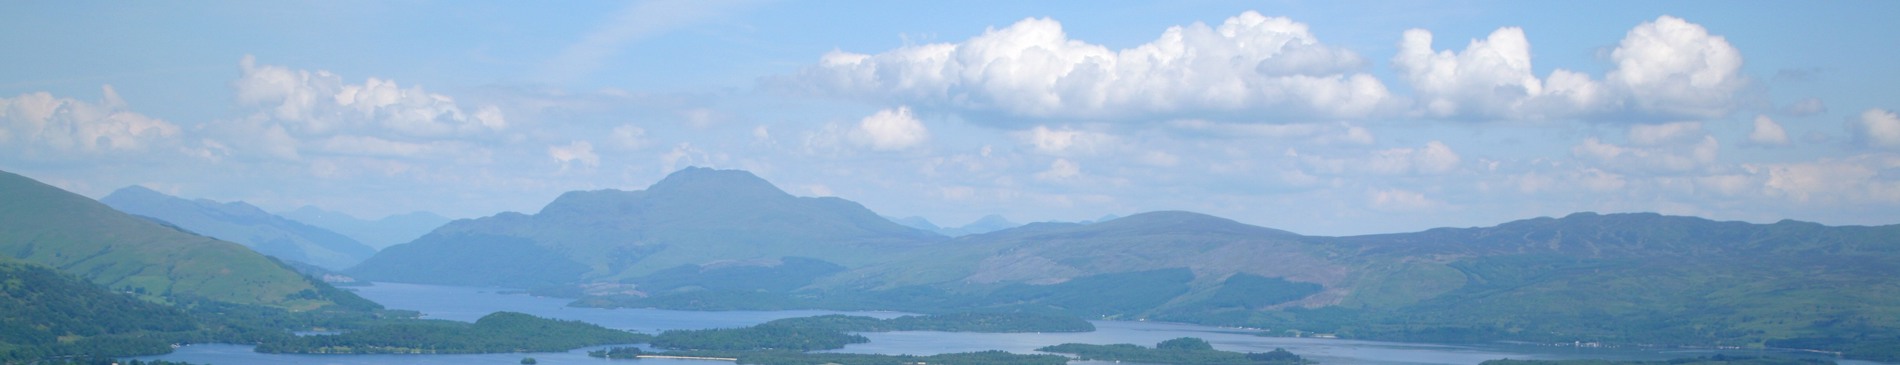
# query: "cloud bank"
39, 125
1250, 64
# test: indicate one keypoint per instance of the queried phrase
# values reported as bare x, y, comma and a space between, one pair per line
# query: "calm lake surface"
468, 304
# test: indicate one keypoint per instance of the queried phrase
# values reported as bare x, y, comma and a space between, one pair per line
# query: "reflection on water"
468, 304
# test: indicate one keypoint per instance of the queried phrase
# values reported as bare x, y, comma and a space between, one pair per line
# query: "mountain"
987, 224
1104, 218
1639, 277
380, 233
1047, 253
918, 223
44, 225
245, 224
695, 217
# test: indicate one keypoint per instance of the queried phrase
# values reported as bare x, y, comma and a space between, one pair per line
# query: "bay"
468, 304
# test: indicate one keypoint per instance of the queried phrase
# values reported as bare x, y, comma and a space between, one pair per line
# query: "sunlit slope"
45, 225
695, 216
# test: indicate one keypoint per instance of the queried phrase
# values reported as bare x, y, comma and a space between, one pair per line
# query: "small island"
1179, 351
764, 337
785, 341
617, 353
495, 333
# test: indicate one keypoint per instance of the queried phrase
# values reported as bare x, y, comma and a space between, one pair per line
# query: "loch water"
468, 304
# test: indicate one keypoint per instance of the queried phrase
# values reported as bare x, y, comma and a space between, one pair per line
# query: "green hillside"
44, 225
244, 224
694, 217
1634, 279
44, 313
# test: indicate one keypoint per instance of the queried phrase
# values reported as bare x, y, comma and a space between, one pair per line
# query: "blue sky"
1315, 117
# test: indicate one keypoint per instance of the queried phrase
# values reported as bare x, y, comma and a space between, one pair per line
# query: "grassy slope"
48, 226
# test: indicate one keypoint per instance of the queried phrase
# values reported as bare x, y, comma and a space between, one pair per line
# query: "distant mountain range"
987, 224
50, 227
379, 234
713, 239
245, 224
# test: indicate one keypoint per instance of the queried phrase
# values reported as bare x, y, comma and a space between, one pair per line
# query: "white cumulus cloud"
1492, 77
1674, 67
320, 102
1666, 68
1767, 132
39, 124
577, 151
1250, 64
1877, 128
1060, 169
890, 129
297, 114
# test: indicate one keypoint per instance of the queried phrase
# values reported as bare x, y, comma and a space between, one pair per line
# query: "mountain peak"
700, 180
136, 191
1185, 221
